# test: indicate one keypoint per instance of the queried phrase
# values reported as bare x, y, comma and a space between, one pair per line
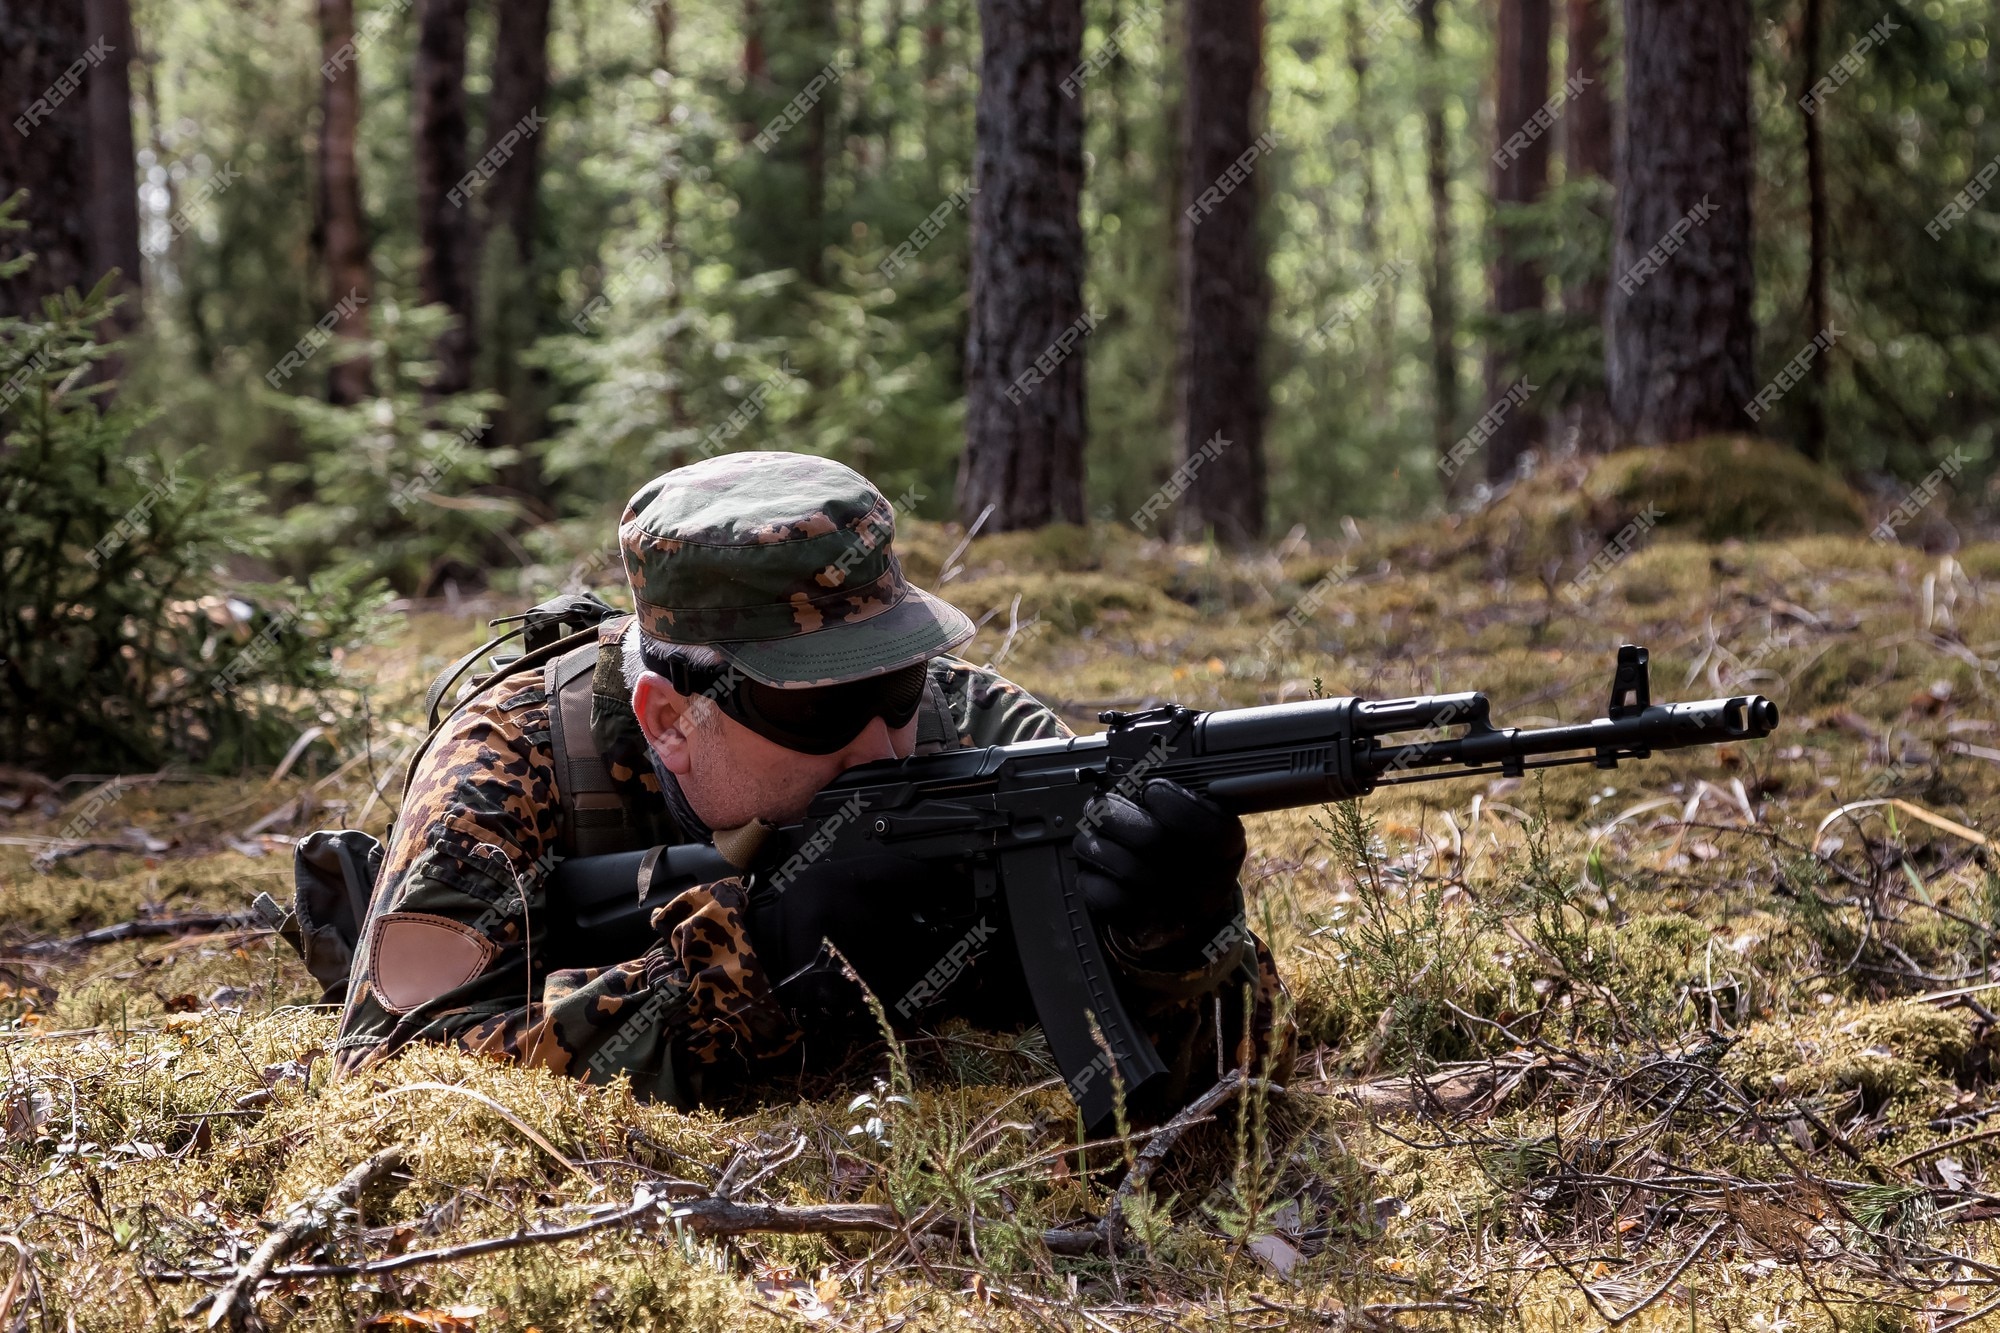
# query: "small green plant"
400, 486
1560, 926
124, 643
1401, 963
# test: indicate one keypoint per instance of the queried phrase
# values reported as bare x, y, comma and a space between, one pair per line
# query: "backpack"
334, 870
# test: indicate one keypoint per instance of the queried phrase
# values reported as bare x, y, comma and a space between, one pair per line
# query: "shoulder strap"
530, 661
592, 816
540, 626
935, 728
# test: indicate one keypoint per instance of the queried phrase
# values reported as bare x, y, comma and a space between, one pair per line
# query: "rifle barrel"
1602, 741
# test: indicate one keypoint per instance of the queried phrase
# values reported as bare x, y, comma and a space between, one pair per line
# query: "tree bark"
444, 224
670, 210
670, 179
1371, 212
343, 227
931, 103
1114, 88
1520, 176
44, 148
1440, 287
114, 183
892, 81
1678, 331
755, 70
1587, 128
819, 135
520, 87
1024, 422
508, 217
1223, 293
1814, 400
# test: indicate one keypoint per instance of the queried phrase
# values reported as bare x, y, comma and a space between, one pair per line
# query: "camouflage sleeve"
989, 709
460, 909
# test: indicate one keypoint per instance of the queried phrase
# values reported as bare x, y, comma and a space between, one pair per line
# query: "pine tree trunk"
343, 228
931, 103
508, 213
819, 139
45, 149
114, 171
1114, 88
1371, 212
1441, 286
892, 81
670, 180
1024, 420
1587, 152
1520, 176
445, 268
1678, 329
1223, 293
755, 69
520, 91
670, 210
1814, 399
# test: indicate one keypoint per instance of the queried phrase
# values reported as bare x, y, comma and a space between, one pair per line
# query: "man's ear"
662, 711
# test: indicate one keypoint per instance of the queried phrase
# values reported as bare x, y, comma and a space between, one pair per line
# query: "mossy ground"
1644, 1005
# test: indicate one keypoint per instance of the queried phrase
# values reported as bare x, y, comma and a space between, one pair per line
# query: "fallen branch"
706, 1216
1343, 1317
236, 1301
146, 928
1667, 1282
1110, 1232
1936, 1148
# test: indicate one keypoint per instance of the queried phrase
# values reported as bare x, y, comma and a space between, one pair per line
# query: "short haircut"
644, 654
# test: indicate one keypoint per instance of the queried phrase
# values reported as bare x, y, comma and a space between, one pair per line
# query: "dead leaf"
451, 1319
798, 1296
23, 1111
1277, 1253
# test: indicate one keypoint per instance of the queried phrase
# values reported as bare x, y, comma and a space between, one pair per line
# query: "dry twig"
236, 1302
145, 928
1110, 1232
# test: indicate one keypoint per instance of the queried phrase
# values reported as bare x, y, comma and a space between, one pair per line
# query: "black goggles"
822, 719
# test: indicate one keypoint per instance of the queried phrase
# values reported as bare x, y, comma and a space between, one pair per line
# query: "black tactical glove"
1161, 871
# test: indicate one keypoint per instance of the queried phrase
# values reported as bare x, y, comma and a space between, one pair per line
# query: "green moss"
1889, 1053
1922, 1033
1727, 487
1654, 956
1708, 490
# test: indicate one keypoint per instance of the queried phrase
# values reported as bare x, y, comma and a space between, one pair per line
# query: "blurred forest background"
412, 294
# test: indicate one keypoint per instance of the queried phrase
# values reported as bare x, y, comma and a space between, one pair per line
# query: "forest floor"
1695, 1043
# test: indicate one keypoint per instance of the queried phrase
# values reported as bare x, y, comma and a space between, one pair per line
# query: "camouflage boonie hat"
782, 563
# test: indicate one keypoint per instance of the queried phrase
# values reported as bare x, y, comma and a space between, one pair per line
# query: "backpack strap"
539, 627
539, 658
592, 816
935, 728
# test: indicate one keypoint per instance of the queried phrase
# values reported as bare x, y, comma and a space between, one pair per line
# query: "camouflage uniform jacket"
478, 827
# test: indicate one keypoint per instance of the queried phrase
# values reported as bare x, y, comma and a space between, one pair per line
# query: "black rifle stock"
1011, 811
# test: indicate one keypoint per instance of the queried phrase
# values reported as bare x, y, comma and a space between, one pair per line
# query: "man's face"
730, 774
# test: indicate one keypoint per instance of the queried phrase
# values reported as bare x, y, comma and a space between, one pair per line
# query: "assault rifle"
1009, 813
